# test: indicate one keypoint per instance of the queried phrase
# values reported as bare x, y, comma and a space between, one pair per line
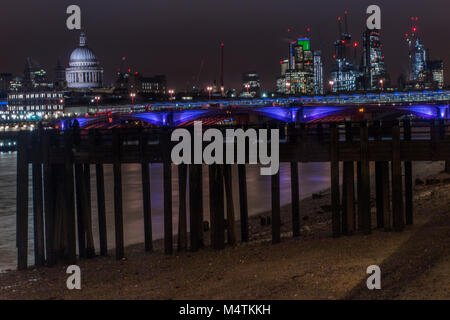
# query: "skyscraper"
424, 73
345, 74
298, 78
435, 70
374, 70
318, 73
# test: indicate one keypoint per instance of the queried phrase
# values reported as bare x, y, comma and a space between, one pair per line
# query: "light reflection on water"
314, 177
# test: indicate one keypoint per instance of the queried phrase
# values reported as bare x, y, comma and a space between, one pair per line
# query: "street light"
171, 92
132, 95
331, 85
97, 98
247, 86
382, 84
209, 91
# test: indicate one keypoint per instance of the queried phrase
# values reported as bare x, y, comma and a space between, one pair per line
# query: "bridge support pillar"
299, 117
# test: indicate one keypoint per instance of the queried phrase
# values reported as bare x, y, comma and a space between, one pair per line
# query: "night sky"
173, 36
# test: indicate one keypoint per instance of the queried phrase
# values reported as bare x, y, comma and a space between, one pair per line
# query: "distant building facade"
39, 103
374, 69
302, 71
251, 83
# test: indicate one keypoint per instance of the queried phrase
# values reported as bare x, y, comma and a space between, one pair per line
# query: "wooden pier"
61, 194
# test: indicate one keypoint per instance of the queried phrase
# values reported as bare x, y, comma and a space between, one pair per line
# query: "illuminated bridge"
261, 114
391, 98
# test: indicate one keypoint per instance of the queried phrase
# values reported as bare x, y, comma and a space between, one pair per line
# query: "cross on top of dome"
83, 39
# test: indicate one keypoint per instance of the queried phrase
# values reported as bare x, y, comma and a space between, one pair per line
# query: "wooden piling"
167, 186
196, 206
49, 198
90, 247
276, 218
22, 201
69, 233
397, 185
243, 202
295, 198
335, 183
38, 201
146, 195
409, 220
359, 193
118, 205
182, 214
348, 189
365, 180
80, 196
219, 210
231, 225
101, 207
379, 188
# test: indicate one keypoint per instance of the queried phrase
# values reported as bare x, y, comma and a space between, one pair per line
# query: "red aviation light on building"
222, 44
356, 44
308, 29
414, 29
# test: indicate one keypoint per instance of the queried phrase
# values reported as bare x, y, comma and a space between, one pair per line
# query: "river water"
314, 177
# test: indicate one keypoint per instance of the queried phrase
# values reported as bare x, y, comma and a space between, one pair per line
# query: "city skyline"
147, 56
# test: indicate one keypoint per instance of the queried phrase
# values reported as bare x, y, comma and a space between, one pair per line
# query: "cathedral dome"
84, 70
83, 56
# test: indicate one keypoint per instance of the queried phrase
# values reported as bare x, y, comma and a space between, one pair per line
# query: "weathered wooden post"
382, 187
365, 179
348, 189
378, 179
231, 225
22, 201
276, 218
49, 197
182, 218
196, 205
167, 186
38, 201
397, 184
146, 196
243, 204
408, 178
295, 188
101, 207
216, 199
90, 248
80, 194
69, 234
118, 205
335, 187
